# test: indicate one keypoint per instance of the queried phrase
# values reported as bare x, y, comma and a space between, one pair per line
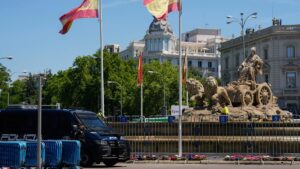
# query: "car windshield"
92, 122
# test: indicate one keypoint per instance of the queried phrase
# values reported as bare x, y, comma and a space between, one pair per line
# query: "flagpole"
180, 90
101, 57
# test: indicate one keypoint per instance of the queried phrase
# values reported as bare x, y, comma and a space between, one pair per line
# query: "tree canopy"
79, 86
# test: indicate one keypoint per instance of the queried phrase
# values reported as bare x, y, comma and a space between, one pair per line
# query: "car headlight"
102, 142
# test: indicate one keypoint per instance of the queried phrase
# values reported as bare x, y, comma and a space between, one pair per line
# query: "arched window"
291, 80
290, 52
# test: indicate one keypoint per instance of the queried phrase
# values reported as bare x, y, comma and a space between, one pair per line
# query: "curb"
216, 162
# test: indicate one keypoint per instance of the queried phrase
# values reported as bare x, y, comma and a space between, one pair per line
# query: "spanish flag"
160, 8
88, 9
140, 71
184, 69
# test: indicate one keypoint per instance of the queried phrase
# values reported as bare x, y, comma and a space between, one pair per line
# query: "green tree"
17, 92
4, 79
79, 86
164, 74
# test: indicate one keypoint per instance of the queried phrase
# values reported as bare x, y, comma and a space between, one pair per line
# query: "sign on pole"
175, 109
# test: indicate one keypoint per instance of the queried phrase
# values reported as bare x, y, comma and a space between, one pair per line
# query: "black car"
99, 142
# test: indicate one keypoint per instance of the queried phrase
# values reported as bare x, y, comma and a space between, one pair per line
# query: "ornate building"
112, 48
279, 47
161, 44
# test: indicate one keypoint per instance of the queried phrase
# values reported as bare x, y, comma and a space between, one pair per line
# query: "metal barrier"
274, 137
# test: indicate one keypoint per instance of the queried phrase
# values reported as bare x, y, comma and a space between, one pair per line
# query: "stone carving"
196, 91
160, 26
250, 67
248, 94
246, 99
216, 94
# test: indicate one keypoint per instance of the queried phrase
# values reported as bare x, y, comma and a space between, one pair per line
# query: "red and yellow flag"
140, 71
88, 9
160, 8
184, 68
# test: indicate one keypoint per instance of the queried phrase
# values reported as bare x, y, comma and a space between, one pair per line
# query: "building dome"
160, 26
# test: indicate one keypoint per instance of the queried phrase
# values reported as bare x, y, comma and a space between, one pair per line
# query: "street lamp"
9, 83
114, 82
7, 57
164, 87
242, 23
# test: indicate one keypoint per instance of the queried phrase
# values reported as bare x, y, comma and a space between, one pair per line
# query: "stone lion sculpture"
196, 91
215, 93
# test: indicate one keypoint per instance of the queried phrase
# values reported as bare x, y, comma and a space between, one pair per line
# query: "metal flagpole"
180, 89
39, 132
101, 57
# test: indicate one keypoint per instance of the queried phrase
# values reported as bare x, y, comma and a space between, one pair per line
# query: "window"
291, 52
226, 62
237, 60
291, 80
136, 53
266, 54
175, 62
189, 63
209, 64
152, 45
199, 63
267, 78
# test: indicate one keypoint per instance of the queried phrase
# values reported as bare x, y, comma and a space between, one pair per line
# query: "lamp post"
9, 83
164, 87
7, 57
39, 131
242, 21
114, 82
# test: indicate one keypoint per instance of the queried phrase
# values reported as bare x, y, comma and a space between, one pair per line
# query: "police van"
99, 143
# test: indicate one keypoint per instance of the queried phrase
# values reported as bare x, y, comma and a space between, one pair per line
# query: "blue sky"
29, 29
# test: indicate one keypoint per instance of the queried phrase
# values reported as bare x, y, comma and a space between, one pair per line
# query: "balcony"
291, 91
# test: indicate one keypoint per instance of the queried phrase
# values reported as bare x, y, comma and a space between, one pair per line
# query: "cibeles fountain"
245, 99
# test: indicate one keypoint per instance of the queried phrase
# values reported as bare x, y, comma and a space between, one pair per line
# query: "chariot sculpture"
244, 95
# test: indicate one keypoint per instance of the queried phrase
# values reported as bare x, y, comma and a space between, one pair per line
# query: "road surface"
196, 166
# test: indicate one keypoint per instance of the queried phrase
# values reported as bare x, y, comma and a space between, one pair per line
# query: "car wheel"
110, 163
85, 160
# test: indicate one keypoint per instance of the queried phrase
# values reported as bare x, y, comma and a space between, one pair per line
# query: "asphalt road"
197, 166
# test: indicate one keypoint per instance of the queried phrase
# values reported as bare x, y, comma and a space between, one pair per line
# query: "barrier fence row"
277, 137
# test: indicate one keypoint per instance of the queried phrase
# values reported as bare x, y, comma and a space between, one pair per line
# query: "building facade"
162, 45
279, 47
112, 48
133, 50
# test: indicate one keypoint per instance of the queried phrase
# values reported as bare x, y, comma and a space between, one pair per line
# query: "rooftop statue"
160, 26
